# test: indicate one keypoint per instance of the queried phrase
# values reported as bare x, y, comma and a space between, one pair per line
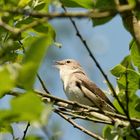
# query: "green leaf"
126, 62
117, 105
133, 106
135, 54
105, 4
32, 60
8, 3
8, 50
7, 78
131, 137
89, 4
40, 6
7, 117
118, 70
97, 22
28, 107
126, 69
6, 128
23, 3
107, 133
116, 132
24, 21
45, 28
132, 3
132, 79
33, 137
137, 107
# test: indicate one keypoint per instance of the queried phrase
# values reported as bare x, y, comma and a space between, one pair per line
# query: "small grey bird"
78, 87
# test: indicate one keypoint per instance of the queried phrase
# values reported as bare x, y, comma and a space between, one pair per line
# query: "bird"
79, 88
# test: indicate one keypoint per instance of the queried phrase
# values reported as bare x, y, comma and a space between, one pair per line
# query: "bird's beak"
57, 64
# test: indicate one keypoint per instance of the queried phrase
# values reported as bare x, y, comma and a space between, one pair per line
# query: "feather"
89, 88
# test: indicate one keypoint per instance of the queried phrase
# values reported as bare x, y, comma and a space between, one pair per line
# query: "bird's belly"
75, 94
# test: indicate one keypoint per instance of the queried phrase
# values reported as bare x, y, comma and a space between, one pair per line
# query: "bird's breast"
74, 93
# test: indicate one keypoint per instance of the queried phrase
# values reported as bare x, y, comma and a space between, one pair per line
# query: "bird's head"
67, 64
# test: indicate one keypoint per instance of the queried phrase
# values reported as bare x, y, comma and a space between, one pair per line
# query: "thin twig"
17, 31
95, 13
21, 44
77, 116
64, 103
42, 84
25, 131
32, 24
126, 92
97, 137
9, 28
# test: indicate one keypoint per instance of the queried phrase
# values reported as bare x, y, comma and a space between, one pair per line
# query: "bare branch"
89, 111
17, 31
124, 7
83, 116
42, 84
126, 92
9, 28
25, 131
80, 127
95, 13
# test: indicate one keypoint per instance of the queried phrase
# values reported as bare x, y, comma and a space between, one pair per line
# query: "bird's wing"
93, 88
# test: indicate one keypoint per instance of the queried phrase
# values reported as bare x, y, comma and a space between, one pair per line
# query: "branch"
82, 116
25, 131
84, 108
95, 13
125, 7
9, 28
126, 92
42, 84
80, 127
17, 31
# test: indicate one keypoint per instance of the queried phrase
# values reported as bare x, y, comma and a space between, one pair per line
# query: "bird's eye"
68, 61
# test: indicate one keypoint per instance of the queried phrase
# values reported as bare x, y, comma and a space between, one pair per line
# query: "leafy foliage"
24, 40
80, 3
21, 56
28, 64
